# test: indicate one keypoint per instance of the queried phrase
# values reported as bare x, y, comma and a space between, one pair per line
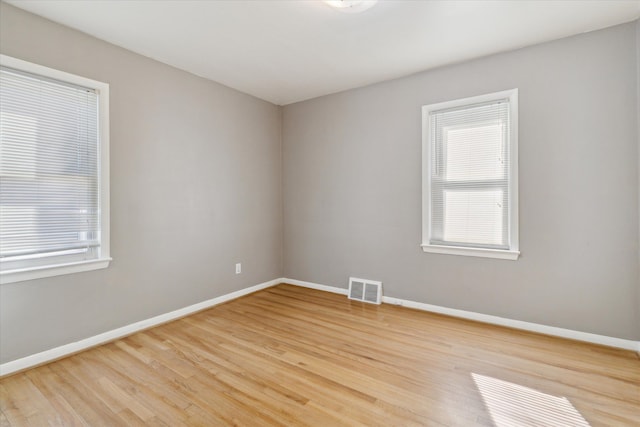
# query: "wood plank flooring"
289, 356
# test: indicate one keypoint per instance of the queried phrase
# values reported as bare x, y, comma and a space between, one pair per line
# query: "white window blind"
470, 186
49, 171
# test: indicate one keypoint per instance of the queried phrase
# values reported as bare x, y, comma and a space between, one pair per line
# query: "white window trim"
18, 275
513, 252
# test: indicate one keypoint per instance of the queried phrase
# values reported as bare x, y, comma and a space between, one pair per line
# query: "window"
54, 187
470, 162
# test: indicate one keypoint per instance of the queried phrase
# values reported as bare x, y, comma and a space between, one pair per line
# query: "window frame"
60, 264
513, 250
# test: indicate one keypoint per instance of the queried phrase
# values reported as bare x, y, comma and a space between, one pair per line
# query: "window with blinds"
50, 170
470, 176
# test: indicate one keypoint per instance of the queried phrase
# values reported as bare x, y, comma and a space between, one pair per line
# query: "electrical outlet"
238, 268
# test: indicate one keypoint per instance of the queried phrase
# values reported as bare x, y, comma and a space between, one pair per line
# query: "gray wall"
195, 188
353, 199
638, 136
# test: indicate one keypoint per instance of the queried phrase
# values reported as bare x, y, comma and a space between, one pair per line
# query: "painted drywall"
638, 136
352, 187
195, 188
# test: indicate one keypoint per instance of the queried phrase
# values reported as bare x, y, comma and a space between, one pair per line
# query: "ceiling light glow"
351, 6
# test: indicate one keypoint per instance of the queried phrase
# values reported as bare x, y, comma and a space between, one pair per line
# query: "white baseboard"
68, 349
84, 344
487, 318
317, 286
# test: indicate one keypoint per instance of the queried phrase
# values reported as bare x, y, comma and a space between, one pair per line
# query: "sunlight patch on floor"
513, 405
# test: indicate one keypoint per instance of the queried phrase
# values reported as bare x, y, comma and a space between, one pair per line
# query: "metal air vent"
365, 290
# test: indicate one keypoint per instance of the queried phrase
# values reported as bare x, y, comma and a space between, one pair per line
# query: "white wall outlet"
238, 268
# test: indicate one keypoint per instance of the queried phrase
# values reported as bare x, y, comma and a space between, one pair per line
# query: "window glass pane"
474, 152
474, 217
49, 186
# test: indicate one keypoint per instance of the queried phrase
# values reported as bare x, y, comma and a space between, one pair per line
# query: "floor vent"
365, 290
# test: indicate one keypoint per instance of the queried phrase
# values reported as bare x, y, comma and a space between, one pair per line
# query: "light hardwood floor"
291, 356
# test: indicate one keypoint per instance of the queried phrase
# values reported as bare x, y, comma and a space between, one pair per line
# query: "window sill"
477, 252
11, 276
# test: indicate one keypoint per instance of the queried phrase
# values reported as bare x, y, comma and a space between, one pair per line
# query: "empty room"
319, 213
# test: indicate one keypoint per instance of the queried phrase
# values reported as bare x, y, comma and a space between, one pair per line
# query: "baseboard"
317, 286
486, 318
47, 356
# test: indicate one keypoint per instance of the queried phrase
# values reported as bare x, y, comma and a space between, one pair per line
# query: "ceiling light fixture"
351, 6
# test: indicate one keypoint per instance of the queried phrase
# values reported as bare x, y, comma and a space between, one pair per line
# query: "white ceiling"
289, 51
